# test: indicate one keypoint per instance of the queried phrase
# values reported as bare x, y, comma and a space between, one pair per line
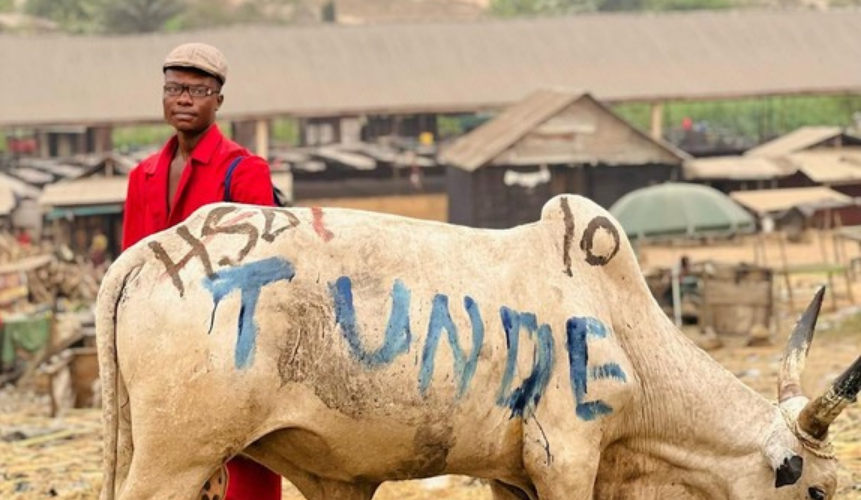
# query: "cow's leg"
561, 461
154, 483
125, 447
170, 473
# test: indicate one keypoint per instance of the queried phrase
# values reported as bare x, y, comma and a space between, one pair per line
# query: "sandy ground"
41, 457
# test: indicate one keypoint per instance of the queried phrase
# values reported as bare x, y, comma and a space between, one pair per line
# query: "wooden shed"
78, 209
794, 210
736, 173
839, 169
775, 203
553, 142
806, 157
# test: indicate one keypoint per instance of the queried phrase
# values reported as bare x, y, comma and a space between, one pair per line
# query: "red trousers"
249, 480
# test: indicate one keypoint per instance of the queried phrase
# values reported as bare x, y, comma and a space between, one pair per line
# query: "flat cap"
199, 56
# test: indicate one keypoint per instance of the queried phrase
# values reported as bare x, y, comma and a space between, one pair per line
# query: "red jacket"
146, 208
146, 212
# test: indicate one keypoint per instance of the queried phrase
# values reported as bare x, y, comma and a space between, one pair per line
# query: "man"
189, 172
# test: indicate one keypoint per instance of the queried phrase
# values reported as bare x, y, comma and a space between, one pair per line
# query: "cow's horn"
818, 414
789, 380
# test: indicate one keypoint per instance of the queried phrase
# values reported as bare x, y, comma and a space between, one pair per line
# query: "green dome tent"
677, 209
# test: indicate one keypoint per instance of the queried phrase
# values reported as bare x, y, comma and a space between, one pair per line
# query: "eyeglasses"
176, 90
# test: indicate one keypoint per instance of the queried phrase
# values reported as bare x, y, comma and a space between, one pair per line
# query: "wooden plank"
63, 434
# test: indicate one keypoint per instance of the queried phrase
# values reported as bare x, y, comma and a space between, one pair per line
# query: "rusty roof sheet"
764, 201
740, 168
441, 66
485, 143
797, 140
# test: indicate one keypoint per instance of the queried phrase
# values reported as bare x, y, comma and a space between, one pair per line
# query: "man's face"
185, 112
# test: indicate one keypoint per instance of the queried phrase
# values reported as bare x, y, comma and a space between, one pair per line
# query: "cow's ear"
789, 471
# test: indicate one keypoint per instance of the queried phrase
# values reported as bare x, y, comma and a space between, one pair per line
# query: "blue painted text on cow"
521, 400
248, 279
525, 398
578, 331
440, 319
398, 335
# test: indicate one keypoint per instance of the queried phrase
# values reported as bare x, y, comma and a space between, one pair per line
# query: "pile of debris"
69, 278
51, 272
46, 299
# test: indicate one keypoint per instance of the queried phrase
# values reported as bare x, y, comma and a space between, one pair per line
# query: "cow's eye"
816, 493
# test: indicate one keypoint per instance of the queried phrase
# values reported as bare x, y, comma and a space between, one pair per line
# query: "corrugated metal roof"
766, 201
33, 176
740, 168
495, 136
440, 67
797, 140
86, 191
491, 139
20, 188
7, 199
829, 166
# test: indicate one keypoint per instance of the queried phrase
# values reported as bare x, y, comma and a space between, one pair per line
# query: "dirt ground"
41, 457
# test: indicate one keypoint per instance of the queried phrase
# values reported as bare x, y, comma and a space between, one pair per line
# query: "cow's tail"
107, 304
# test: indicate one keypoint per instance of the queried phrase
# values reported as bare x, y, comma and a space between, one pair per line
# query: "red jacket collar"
201, 155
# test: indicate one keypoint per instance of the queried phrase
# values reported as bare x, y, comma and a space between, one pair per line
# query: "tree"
208, 13
74, 16
266, 10
139, 16
667, 5
107, 16
509, 8
205, 14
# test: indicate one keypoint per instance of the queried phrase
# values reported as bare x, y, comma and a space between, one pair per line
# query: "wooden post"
841, 257
836, 240
820, 237
760, 254
761, 260
261, 139
677, 296
785, 271
657, 124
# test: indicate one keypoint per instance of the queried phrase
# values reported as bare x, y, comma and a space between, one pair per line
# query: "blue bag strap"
229, 175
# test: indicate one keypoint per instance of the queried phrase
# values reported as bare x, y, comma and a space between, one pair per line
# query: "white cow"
343, 349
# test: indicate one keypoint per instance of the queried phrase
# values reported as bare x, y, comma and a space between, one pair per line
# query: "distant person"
98, 253
188, 173
23, 237
684, 266
688, 279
